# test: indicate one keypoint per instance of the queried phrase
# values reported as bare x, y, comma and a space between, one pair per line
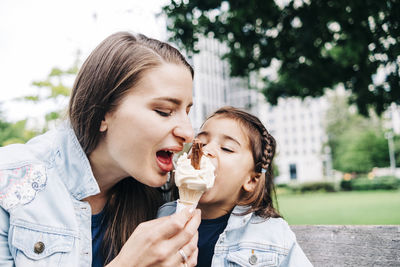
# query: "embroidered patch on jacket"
19, 186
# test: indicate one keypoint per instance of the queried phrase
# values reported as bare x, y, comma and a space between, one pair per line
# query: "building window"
293, 171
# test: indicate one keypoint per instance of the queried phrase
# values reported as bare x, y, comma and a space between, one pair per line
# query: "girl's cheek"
214, 161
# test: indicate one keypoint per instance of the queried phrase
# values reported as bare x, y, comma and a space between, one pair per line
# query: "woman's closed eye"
164, 113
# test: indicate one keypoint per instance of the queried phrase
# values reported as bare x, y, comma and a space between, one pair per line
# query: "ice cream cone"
192, 177
188, 197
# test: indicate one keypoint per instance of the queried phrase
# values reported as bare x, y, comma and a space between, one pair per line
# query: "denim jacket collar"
236, 220
73, 165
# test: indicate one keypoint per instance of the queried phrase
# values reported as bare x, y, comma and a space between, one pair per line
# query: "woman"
240, 226
83, 192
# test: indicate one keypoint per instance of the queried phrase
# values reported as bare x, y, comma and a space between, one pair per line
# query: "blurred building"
213, 88
210, 81
295, 124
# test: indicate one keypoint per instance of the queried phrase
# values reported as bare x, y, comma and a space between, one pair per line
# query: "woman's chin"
161, 180
155, 179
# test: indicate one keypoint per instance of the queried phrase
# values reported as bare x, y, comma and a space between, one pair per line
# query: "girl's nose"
209, 151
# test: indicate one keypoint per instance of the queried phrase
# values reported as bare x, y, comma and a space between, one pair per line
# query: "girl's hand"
157, 242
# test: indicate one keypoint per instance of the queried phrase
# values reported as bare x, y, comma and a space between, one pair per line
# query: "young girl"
80, 195
240, 226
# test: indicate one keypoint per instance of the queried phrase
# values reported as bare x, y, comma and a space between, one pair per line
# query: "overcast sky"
38, 35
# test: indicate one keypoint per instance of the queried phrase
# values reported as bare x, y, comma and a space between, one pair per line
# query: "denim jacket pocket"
44, 247
252, 258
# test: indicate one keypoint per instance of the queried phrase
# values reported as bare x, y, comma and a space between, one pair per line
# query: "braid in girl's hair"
269, 195
269, 150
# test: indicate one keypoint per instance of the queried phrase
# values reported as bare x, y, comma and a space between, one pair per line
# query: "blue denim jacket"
43, 221
252, 241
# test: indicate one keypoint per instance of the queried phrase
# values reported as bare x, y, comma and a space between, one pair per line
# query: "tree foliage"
397, 149
319, 44
11, 133
357, 143
360, 151
54, 88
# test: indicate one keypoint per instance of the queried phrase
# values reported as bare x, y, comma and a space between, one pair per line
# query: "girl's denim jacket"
252, 241
43, 220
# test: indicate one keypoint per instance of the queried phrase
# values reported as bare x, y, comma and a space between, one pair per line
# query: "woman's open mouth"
164, 160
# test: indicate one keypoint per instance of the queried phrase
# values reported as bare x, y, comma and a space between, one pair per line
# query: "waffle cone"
189, 197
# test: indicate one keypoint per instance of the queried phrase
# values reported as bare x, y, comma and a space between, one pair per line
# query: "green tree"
319, 43
359, 151
357, 143
54, 88
339, 120
11, 133
397, 150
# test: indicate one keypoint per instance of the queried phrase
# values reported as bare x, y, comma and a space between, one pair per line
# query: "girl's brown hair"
114, 67
262, 146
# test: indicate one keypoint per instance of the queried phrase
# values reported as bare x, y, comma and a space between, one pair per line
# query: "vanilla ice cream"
186, 175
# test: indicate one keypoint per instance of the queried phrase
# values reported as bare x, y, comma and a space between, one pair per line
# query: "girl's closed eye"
227, 149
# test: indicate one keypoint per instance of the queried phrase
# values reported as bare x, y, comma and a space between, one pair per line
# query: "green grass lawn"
362, 207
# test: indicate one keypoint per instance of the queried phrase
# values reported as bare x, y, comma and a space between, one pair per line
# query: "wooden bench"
350, 245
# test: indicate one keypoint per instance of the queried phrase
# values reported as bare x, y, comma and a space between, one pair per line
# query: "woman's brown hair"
262, 146
115, 66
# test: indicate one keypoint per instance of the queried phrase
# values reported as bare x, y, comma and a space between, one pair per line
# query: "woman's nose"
184, 131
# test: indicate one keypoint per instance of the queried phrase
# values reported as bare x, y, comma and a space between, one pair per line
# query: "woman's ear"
251, 182
103, 126
106, 120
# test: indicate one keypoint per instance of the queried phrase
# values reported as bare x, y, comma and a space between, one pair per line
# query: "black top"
98, 231
209, 231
